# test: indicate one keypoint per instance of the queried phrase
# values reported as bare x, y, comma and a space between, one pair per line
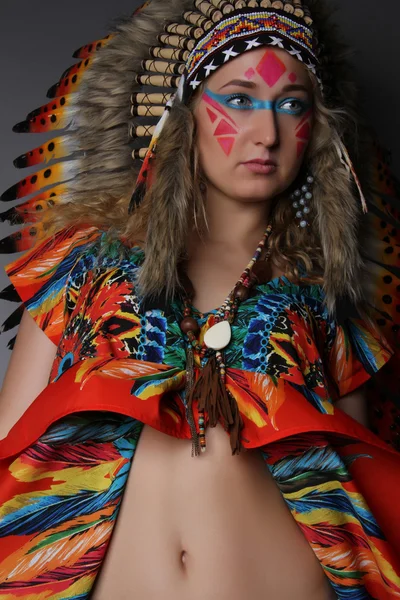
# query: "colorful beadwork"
273, 28
226, 312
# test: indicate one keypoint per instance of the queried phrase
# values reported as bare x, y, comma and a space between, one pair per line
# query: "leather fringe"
217, 401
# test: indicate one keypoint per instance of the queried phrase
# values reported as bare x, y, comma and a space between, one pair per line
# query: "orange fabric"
65, 464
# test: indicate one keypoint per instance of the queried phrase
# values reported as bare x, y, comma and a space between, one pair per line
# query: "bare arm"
27, 374
355, 405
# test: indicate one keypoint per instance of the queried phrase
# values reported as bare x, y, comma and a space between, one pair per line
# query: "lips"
261, 166
261, 161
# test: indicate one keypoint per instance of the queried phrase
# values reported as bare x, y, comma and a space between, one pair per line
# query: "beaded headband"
213, 34
244, 31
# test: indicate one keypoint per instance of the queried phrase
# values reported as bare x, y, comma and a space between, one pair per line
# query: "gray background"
37, 40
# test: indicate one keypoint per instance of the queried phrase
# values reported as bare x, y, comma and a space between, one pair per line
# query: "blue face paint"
240, 101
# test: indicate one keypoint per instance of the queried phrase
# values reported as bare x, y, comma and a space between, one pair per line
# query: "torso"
213, 526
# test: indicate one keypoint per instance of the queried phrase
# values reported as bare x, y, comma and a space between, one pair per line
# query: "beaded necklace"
209, 386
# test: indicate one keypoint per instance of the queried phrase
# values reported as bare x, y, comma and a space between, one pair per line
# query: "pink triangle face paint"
226, 144
225, 126
272, 71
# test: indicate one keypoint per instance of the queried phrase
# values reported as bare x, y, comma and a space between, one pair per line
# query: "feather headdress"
108, 106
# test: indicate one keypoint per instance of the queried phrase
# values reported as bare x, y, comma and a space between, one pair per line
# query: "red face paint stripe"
304, 119
217, 107
213, 116
304, 132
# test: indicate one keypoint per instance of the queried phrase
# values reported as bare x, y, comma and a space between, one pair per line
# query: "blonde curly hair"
174, 205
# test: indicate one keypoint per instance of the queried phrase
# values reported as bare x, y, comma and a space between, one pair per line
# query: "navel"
184, 557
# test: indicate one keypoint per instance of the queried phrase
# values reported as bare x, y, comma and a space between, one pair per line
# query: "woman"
146, 347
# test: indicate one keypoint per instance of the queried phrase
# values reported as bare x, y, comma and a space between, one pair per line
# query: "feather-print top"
285, 351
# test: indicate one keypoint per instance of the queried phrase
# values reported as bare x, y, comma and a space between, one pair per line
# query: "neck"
233, 221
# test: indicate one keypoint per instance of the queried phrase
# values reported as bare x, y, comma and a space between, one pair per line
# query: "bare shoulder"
27, 373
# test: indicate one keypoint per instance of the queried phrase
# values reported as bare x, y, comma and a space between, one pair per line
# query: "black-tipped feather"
22, 127
10, 293
33, 113
10, 194
21, 161
11, 343
52, 92
12, 216
13, 320
8, 245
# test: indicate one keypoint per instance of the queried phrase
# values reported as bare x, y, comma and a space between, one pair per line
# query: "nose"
265, 128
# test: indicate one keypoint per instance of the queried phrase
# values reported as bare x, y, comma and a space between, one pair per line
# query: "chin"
256, 193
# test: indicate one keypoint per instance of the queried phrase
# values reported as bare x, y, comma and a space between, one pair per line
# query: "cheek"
219, 126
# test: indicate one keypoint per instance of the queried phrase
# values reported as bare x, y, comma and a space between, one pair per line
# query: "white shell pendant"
218, 336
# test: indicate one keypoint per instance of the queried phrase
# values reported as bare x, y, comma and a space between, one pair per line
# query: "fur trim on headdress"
102, 108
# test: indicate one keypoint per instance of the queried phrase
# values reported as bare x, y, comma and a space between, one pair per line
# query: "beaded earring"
300, 201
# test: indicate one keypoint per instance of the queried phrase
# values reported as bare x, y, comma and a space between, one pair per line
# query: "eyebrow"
239, 83
293, 87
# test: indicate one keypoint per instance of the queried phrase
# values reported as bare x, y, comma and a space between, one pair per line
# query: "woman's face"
254, 122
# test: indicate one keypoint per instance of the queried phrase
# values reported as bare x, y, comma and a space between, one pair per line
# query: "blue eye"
241, 101
292, 106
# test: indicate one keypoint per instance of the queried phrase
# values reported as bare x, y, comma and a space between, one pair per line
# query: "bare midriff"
213, 526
